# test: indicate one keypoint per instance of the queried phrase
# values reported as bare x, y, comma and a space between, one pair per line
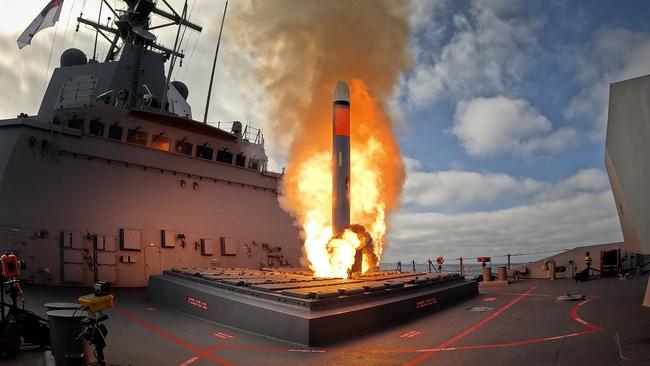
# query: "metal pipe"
214, 65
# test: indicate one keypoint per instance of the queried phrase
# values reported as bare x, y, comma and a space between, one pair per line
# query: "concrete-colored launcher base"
300, 308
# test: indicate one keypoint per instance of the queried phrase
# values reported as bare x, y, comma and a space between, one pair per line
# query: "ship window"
204, 152
75, 123
183, 147
224, 156
241, 160
96, 128
135, 136
254, 164
160, 142
115, 132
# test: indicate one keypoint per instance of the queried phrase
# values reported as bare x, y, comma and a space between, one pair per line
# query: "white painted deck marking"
410, 334
223, 335
489, 299
190, 361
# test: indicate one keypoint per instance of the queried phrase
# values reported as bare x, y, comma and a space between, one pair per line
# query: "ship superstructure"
114, 180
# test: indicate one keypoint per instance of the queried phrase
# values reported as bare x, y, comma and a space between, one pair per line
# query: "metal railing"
431, 265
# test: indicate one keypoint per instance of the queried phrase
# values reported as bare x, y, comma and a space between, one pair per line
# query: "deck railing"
434, 267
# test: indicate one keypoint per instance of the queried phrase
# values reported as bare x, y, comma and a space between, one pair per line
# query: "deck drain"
481, 308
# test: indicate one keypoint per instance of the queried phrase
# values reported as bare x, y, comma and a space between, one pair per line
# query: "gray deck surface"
526, 326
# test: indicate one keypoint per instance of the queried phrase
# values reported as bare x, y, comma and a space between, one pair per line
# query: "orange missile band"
342, 119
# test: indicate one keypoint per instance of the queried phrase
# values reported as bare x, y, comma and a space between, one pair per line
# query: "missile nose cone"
341, 92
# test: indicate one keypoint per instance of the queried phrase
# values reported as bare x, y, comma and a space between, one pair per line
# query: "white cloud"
545, 216
499, 125
462, 187
584, 181
613, 54
585, 218
488, 52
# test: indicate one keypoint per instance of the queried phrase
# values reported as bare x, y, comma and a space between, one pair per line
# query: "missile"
341, 158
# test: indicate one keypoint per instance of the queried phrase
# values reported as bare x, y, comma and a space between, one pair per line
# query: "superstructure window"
96, 128
115, 132
254, 164
204, 152
160, 142
76, 123
136, 136
183, 147
241, 160
224, 156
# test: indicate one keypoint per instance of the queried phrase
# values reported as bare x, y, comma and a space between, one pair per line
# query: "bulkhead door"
72, 257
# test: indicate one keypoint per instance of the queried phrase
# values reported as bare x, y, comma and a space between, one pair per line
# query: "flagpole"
214, 64
99, 19
173, 59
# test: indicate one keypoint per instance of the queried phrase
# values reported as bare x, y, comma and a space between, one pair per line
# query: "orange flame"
377, 176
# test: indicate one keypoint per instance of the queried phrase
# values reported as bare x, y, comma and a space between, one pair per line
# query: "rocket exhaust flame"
376, 177
365, 42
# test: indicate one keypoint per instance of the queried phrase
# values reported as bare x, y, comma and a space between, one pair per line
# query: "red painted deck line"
574, 315
470, 329
200, 352
207, 353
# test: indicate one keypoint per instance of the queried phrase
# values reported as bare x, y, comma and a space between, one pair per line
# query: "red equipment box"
10, 266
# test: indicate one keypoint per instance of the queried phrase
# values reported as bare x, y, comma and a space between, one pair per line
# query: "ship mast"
132, 26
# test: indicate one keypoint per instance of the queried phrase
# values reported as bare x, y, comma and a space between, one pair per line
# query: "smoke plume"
301, 49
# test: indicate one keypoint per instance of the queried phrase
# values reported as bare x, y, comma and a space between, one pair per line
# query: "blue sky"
510, 98
501, 116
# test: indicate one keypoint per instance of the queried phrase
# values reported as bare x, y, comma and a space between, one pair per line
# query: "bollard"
65, 327
503, 274
487, 274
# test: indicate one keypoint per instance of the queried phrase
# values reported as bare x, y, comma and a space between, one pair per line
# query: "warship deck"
519, 324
